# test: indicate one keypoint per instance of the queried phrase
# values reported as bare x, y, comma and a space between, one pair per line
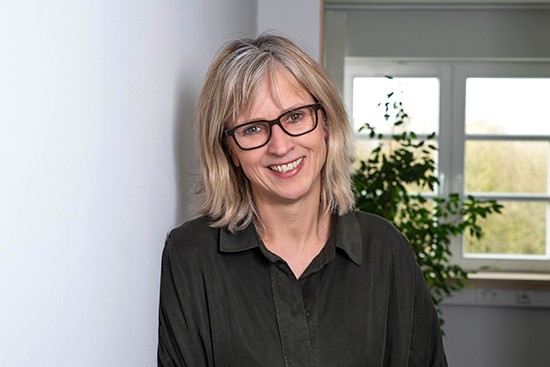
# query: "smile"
282, 168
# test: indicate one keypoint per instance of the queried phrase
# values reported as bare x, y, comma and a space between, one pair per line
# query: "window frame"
453, 74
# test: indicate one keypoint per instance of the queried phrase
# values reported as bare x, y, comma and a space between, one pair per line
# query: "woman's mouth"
283, 168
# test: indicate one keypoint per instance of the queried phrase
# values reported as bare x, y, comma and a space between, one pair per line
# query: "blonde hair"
240, 67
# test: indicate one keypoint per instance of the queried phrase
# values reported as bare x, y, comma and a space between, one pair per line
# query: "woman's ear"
232, 155
234, 158
228, 149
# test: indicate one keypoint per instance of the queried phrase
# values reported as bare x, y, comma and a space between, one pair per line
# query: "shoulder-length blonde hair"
235, 75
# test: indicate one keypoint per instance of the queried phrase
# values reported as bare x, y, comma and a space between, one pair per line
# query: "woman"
279, 270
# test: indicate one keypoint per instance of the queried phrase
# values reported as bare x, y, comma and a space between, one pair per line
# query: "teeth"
286, 167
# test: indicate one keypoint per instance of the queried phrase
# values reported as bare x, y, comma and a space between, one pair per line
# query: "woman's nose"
280, 142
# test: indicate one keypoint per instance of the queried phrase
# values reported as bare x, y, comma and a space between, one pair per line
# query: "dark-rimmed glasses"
256, 134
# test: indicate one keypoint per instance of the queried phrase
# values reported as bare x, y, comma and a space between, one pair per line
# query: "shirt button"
308, 314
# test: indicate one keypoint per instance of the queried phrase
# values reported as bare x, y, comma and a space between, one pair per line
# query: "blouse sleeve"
426, 342
179, 338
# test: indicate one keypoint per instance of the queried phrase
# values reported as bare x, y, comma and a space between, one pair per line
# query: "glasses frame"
315, 106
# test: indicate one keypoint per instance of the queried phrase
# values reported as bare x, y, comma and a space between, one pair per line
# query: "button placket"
291, 318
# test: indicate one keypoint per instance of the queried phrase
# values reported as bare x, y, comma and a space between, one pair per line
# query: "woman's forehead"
277, 86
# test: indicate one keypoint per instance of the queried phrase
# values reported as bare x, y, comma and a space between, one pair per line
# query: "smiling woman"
279, 270
283, 167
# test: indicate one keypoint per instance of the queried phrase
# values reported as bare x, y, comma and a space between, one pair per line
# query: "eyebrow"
301, 104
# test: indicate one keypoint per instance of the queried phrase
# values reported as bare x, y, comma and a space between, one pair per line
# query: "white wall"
97, 163
96, 160
501, 330
299, 20
450, 33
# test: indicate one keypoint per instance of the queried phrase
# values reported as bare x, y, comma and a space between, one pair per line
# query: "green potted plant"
390, 182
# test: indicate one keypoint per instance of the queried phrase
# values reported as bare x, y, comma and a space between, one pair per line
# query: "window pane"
509, 106
364, 148
507, 166
519, 230
420, 98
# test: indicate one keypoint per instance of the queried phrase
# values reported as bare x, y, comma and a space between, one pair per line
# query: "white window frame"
452, 75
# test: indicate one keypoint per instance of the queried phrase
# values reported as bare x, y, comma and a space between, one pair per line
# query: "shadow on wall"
186, 160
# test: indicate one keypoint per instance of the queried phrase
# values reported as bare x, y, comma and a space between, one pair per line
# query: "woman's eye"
252, 130
295, 117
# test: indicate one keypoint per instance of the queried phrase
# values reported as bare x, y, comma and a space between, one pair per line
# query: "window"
420, 95
493, 135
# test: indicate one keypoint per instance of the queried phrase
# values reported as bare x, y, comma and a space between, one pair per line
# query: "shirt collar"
240, 241
346, 232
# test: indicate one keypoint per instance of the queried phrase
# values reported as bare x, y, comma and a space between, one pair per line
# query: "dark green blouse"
225, 300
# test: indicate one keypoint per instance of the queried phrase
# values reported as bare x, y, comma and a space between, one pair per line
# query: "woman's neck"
296, 232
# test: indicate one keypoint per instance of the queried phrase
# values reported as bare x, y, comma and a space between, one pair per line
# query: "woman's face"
287, 169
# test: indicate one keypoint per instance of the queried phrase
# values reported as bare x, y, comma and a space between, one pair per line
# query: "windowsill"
504, 289
509, 280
